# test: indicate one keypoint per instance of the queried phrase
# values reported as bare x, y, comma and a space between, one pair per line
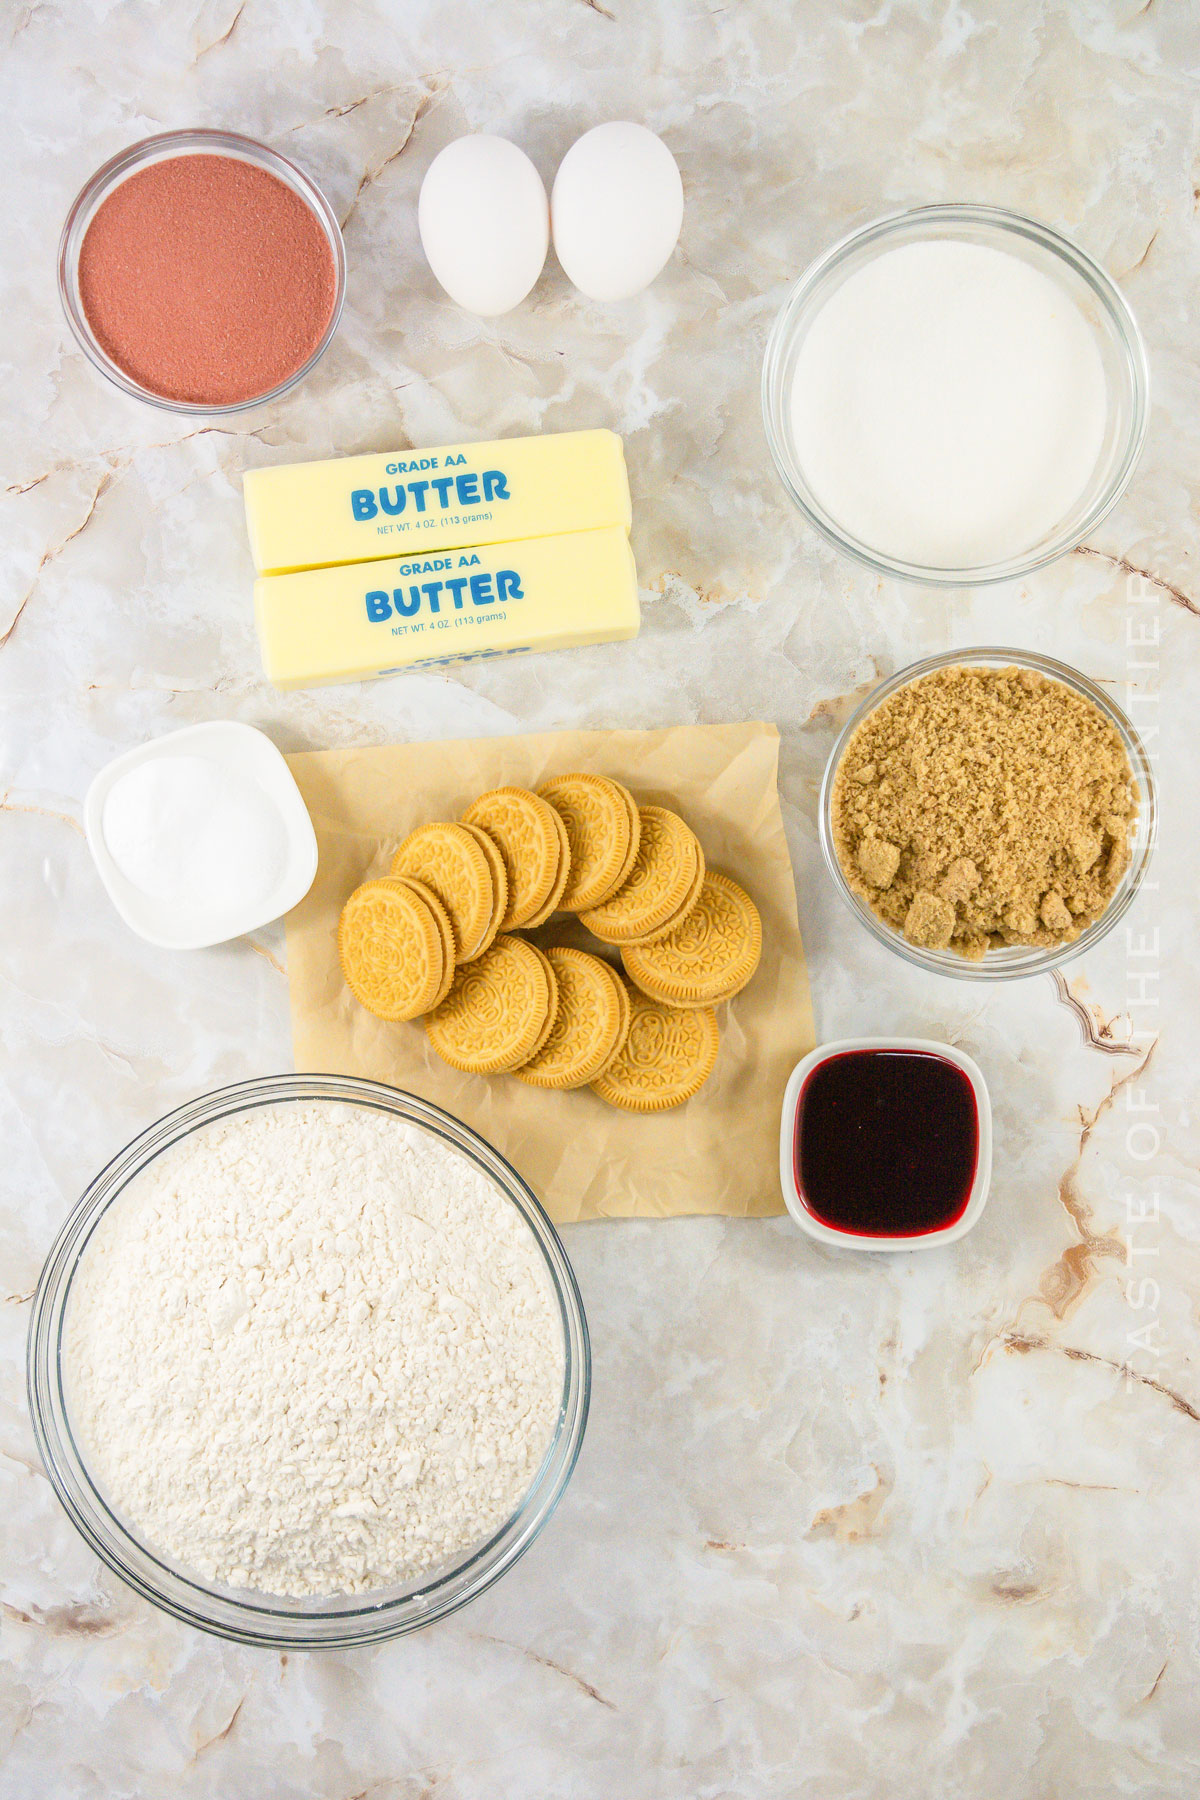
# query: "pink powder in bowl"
206, 279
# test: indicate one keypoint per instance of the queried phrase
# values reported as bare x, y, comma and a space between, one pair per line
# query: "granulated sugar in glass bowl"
955, 394
308, 1364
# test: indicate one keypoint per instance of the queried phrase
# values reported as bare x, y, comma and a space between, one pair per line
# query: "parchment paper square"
584, 1159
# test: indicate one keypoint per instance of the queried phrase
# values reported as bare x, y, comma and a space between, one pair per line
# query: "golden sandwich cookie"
450, 861
626, 1004
495, 1014
391, 949
495, 861
596, 813
554, 898
707, 959
552, 1014
682, 912
659, 884
633, 812
590, 1027
524, 828
667, 1057
445, 931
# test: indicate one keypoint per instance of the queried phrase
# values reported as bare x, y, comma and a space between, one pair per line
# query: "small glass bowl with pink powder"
202, 272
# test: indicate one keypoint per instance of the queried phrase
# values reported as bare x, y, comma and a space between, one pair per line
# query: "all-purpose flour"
314, 1351
948, 404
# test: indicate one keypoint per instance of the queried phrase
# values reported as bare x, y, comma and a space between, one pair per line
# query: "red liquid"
887, 1142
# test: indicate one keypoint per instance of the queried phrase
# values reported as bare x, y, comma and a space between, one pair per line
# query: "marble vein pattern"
844, 1528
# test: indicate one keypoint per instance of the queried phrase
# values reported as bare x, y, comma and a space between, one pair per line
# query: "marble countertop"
836, 1517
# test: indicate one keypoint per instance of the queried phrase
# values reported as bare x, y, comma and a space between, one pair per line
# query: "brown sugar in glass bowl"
959, 841
202, 271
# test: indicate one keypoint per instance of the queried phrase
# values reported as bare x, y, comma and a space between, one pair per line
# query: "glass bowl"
262, 1619
1117, 339
165, 145
1009, 961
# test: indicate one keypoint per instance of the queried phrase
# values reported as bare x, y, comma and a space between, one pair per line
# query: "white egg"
484, 222
617, 207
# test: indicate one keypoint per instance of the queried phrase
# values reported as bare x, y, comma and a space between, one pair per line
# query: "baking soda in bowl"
948, 404
184, 828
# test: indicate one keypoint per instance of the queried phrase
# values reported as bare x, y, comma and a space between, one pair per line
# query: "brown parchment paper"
717, 1154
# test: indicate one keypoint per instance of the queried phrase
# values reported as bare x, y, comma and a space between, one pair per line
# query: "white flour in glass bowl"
314, 1351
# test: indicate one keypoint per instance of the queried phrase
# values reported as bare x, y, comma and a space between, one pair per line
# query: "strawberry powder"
207, 279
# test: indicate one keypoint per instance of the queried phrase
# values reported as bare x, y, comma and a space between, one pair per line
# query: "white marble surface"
843, 1527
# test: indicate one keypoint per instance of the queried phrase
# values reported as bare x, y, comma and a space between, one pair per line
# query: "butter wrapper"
401, 503
376, 618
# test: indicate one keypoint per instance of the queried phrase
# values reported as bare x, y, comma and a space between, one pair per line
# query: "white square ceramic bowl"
851, 1240
244, 752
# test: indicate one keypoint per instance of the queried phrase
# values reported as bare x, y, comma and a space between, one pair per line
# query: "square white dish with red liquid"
886, 1144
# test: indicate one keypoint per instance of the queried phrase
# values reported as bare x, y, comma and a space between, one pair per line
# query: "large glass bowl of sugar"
955, 394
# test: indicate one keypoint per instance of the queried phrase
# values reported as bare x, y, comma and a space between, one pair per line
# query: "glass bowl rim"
1004, 222
192, 140
1028, 960
268, 1621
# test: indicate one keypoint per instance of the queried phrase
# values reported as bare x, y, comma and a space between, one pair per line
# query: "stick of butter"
358, 508
364, 619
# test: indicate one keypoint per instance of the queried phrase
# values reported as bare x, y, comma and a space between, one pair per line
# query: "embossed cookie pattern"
589, 1028
445, 931
667, 1057
663, 873
707, 959
525, 831
594, 812
448, 860
390, 950
496, 1010
495, 862
554, 898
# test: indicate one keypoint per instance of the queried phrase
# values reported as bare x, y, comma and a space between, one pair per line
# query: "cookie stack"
436, 938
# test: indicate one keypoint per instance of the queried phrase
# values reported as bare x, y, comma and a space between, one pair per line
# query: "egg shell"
616, 209
485, 223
